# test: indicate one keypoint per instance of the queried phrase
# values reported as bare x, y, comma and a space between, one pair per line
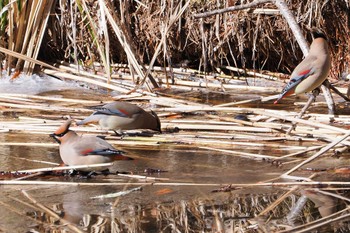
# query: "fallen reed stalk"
302, 112
241, 154
259, 99
252, 73
320, 222
38, 182
22, 213
281, 198
223, 86
25, 203
300, 152
118, 194
321, 152
142, 177
44, 107
49, 98
217, 127
64, 75
30, 176
77, 70
335, 195
200, 139
26, 58
65, 168
70, 225
35, 144
319, 184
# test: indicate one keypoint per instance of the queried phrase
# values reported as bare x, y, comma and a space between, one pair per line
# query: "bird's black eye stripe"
61, 134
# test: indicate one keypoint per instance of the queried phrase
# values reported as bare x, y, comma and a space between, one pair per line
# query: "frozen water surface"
33, 84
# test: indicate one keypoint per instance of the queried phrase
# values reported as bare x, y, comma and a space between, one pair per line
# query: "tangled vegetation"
80, 32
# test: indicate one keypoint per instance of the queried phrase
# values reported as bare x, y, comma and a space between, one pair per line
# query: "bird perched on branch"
84, 150
119, 116
312, 71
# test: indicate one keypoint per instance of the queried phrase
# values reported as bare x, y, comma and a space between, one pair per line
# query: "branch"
231, 8
290, 18
330, 86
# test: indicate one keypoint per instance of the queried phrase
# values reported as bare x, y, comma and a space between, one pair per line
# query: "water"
163, 207
147, 209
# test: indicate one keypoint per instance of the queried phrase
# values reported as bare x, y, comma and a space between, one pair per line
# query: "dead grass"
80, 33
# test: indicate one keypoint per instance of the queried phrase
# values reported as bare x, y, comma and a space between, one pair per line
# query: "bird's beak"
55, 138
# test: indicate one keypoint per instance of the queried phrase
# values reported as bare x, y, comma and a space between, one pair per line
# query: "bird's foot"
172, 130
118, 133
106, 172
141, 134
86, 175
242, 117
316, 92
72, 172
135, 134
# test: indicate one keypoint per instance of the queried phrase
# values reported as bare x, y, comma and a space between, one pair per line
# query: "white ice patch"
33, 84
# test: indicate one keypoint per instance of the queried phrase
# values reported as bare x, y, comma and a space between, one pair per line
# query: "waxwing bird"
119, 116
312, 71
84, 150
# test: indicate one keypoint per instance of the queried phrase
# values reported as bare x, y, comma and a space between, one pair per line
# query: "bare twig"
302, 112
67, 168
321, 152
70, 225
231, 8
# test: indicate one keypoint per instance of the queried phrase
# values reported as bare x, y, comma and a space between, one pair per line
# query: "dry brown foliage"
248, 38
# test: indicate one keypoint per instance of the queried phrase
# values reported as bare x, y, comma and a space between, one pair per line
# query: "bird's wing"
108, 111
95, 146
103, 152
122, 109
297, 78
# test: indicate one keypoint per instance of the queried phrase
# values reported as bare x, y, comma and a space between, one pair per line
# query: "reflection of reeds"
234, 213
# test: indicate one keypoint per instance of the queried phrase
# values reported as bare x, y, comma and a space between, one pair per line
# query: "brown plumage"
119, 116
312, 71
84, 150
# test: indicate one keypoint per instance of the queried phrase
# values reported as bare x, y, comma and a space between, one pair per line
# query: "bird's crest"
64, 128
318, 33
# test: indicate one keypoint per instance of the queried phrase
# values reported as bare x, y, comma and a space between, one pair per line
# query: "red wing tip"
304, 72
87, 151
124, 112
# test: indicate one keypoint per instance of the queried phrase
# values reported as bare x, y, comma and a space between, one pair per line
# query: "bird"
311, 72
84, 149
118, 116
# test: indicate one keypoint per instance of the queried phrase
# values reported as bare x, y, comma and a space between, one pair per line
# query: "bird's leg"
326, 87
105, 172
72, 172
141, 134
119, 133
312, 98
135, 134
87, 175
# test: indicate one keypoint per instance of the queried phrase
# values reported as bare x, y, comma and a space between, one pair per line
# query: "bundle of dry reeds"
165, 32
